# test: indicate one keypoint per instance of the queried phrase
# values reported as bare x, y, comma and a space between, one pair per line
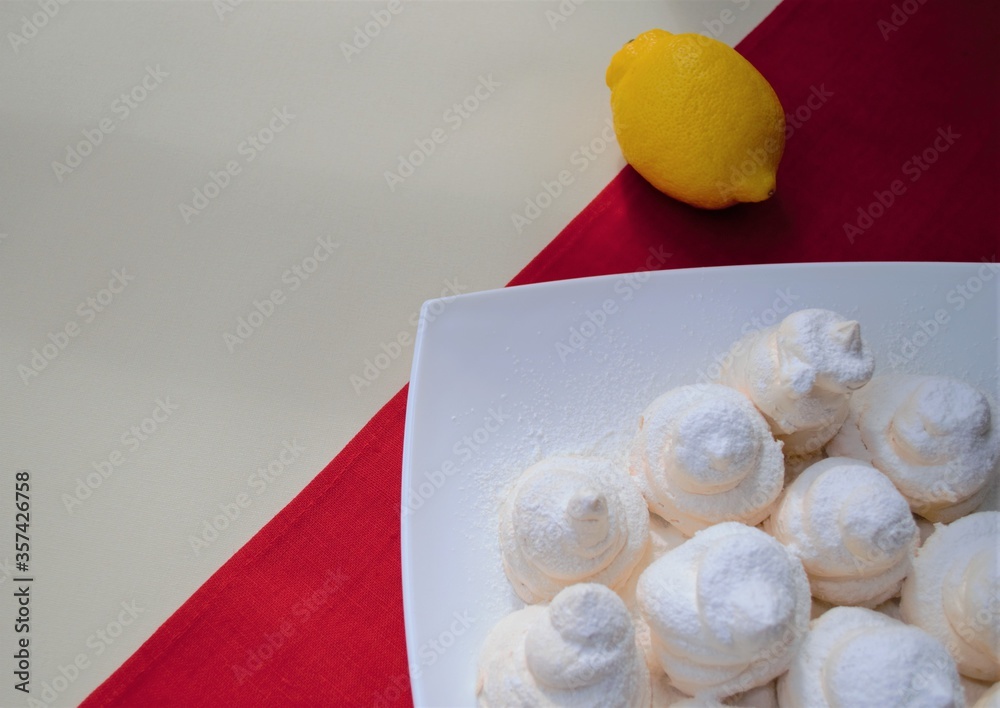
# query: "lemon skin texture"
696, 119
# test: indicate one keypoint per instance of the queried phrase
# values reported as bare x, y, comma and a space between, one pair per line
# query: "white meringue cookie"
856, 658
703, 455
727, 610
935, 437
800, 374
851, 528
571, 520
953, 592
579, 650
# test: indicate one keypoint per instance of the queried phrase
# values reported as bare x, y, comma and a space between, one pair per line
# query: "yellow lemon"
696, 119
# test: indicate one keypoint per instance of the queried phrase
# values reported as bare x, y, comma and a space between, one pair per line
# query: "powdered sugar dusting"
935, 437
675, 329
728, 609
571, 519
572, 413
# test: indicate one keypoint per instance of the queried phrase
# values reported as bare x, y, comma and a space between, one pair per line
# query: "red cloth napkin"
891, 155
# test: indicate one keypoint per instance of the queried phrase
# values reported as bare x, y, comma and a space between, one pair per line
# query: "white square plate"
503, 378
